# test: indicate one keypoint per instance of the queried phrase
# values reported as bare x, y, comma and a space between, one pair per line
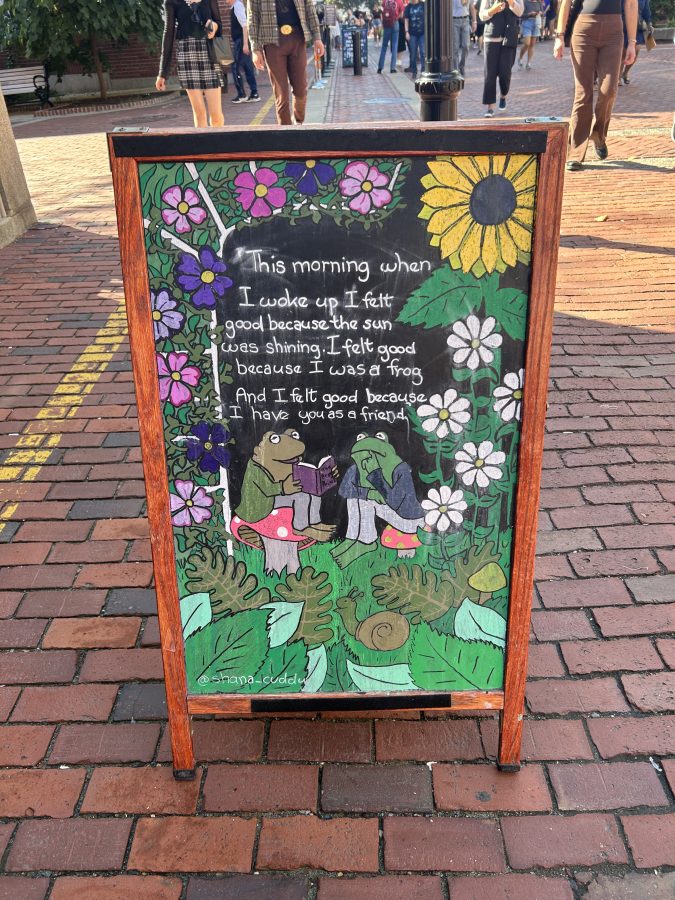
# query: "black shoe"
238, 99
379, 71
502, 103
254, 98
601, 152
574, 165
408, 69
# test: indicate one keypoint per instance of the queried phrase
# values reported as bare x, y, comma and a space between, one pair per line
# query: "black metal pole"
356, 43
438, 84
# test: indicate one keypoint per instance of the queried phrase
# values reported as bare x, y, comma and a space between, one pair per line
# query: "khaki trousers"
596, 48
287, 61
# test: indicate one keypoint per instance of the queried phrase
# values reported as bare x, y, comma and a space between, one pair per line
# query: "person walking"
242, 54
191, 24
596, 46
463, 13
278, 31
414, 33
500, 40
530, 30
392, 10
644, 22
377, 24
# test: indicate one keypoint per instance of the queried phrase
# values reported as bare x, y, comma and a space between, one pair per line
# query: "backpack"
389, 13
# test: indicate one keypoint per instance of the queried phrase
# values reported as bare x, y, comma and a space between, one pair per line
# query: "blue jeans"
389, 35
244, 61
416, 47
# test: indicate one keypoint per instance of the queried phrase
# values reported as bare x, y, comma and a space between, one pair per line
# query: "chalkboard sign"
348, 34
341, 363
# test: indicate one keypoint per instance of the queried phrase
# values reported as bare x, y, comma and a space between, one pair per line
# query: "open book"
316, 480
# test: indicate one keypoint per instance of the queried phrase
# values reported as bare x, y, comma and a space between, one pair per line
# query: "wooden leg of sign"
181, 740
510, 735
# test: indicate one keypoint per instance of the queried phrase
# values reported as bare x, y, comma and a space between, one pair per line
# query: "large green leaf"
415, 592
311, 589
232, 588
283, 671
381, 678
317, 666
195, 613
442, 662
283, 620
448, 295
226, 654
338, 680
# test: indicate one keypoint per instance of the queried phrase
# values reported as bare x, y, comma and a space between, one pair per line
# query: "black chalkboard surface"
348, 33
341, 365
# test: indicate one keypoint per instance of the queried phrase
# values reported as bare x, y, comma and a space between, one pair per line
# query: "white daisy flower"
479, 464
444, 414
474, 342
443, 507
509, 396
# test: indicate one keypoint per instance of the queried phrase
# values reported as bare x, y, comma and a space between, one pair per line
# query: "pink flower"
174, 376
366, 186
256, 193
190, 504
183, 209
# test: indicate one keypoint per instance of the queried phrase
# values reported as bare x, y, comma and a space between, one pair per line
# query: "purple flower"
203, 279
190, 504
257, 194
183, 209
207, 446
366, 185
175, 376
166, 319
309, 175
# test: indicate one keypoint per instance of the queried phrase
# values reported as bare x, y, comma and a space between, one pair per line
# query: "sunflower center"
367, 186
475, 344
310, 163
443, 415
518, 395
260, 190
493, 200
183, 207
156, 315
479, 463
442, 508
189, 503
175, 376
208, 446
208, 277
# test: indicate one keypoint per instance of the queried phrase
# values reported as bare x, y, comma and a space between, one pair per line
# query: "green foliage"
311, 589
442, 662
282, 672
414, 592
69, 31
231, 588
338, 680
435, 303
227, 653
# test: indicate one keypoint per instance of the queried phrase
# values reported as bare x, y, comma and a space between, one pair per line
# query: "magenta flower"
189, 505
175, 376
366, 185
183, 208
257, 194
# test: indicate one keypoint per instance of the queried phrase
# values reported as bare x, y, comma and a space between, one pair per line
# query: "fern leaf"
230, 586
310, 588
414, 592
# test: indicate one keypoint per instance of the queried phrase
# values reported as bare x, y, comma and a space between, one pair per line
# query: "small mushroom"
488, 579
403, 542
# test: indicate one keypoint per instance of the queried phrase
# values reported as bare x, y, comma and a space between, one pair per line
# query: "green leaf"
311, 589
480, 623
381, 678
231, 587
283, 671
317, 666
338, 680
283, 620
442, 662
195, 613
227, 653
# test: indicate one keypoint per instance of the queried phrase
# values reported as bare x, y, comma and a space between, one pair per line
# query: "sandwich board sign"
341, 360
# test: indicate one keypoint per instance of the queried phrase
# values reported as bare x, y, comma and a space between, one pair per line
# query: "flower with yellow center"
444, 413
480, 210
509, 396
479, 464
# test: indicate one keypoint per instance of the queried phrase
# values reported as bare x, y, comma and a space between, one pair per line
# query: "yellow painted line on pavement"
262, 112
36, 443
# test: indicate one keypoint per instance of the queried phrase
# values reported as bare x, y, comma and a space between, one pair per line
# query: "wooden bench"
26, 80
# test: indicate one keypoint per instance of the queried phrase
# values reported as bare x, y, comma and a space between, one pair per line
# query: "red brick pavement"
341, 806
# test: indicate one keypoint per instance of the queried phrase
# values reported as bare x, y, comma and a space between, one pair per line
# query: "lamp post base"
438, 95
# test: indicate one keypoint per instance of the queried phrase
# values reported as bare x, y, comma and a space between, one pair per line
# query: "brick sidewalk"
339, 806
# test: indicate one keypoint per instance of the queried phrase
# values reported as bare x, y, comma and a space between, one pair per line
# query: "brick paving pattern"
341, 806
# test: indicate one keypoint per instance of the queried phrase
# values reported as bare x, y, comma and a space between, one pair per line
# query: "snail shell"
383, 631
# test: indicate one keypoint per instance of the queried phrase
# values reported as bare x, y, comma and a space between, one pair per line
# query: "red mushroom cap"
394, 539
277, 525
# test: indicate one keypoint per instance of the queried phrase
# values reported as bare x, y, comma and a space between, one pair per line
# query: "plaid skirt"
195, 69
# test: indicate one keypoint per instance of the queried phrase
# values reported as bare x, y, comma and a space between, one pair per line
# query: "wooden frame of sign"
436, 247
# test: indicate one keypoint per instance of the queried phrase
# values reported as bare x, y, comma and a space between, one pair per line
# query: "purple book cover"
316, 480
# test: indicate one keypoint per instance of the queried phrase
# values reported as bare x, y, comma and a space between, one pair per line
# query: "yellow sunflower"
480, 210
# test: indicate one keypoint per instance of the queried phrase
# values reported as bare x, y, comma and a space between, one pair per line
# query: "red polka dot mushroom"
404, 543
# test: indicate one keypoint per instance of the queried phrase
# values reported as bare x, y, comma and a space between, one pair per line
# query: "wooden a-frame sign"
341, 359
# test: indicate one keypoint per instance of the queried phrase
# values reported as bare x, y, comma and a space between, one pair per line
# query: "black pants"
499, 61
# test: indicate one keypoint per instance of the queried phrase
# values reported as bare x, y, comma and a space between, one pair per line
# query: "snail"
381, 631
